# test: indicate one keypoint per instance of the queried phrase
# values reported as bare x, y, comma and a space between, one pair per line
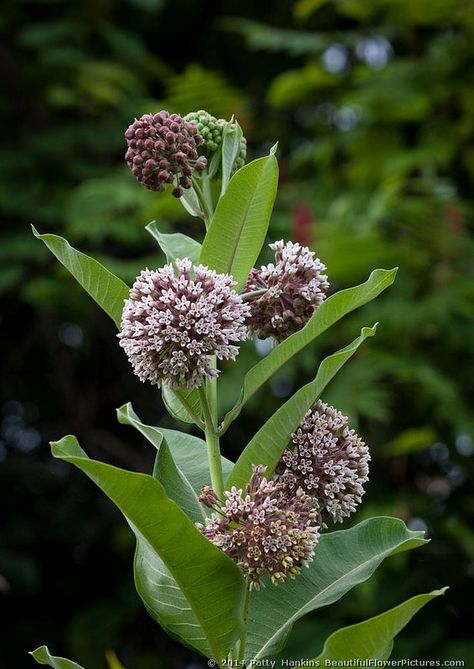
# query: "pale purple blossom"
173, 322
295, 286
328, 460
264, 529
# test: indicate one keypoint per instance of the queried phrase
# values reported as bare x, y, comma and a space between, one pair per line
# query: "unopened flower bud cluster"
162, 149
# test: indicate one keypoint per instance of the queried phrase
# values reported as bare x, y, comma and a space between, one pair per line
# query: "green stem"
254, 293
213, 450
243, 638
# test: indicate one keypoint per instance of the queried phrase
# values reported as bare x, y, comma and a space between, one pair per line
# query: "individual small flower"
211, 130
162, 149
328, 461
295, 286
172, 324
264, 530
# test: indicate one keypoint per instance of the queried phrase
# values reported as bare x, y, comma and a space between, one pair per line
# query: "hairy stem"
243, 638
213, 449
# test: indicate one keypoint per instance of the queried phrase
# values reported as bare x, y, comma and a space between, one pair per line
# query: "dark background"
373, 104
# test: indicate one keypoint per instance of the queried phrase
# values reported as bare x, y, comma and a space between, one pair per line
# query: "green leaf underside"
104, 287
188, 452
176, 485
43, 656
330, 311
176, 408
342, 560
210, 582
372, 639
240, 222
268, 444
175, 245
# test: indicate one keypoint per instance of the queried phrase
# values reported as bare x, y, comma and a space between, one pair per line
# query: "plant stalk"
213, 449
243, 638
253, 294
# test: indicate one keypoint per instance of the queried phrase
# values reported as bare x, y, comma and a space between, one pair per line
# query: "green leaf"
330, 311
107, 289
210, 582
176, 485
268, 444
177, 400
43, 656
240, 222
342, 560
188, 452
373, 638
230, 147
175, 245
157, 588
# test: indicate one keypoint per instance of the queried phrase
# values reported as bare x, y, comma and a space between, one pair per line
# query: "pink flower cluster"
328, 460
295, 287
265, 530
172, 324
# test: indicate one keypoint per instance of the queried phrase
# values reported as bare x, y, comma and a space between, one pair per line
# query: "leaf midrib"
242, 225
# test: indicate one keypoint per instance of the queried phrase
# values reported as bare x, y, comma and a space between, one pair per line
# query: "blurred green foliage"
373, 105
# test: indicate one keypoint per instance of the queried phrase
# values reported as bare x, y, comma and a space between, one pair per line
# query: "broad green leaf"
268, 444
177, 486
157, 588
240, 222
330, 311
188, 452
43, 656
210, 582
175, 245
176, 402
342, 560
373, 638
107, 289
230, 147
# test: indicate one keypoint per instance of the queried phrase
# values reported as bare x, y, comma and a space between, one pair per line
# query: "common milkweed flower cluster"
173, 323
162, 149
327, 460
211, 130
264, 528
295, 286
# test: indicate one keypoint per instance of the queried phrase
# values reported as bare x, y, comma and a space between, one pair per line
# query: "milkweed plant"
229, 555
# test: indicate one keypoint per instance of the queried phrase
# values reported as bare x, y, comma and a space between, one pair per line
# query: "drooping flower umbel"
172, 324
295, 286
265, 530
328, 460
162, 149
211, 130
